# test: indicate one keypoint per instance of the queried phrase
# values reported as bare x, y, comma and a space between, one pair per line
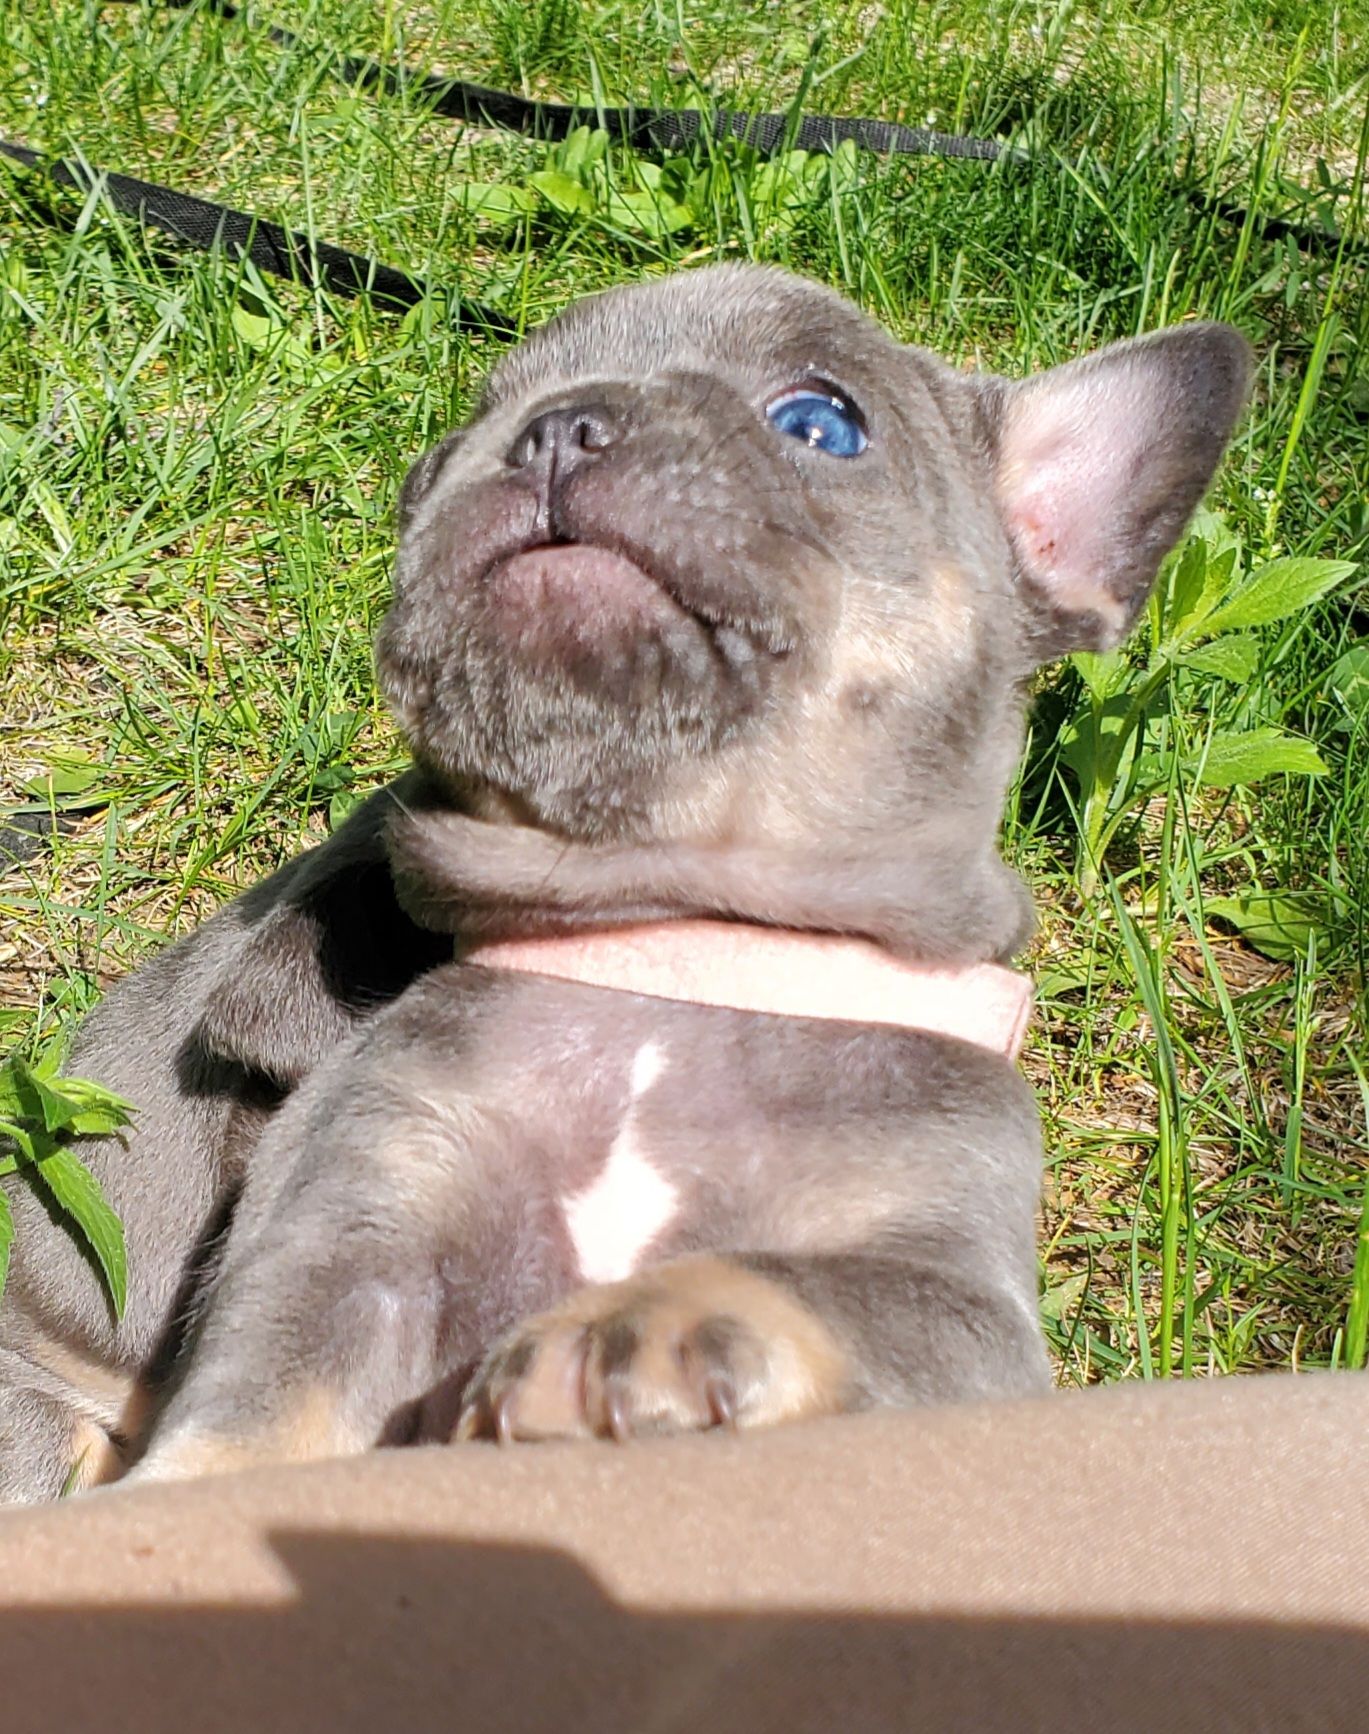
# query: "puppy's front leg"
754, 1339
340, 1302
308, 1350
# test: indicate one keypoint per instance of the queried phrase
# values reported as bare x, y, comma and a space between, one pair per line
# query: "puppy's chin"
567, 688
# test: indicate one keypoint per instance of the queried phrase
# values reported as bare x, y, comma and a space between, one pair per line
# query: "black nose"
561, 440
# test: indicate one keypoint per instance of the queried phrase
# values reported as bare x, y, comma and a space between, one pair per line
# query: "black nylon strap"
287, 253
656, 129
665, 129
669, 129
280, 251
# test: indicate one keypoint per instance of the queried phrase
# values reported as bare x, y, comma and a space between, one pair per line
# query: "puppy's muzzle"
554, 447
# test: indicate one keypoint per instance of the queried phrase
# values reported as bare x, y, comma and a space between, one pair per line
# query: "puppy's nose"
561, 440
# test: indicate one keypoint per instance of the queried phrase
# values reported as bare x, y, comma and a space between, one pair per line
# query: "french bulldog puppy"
713, 626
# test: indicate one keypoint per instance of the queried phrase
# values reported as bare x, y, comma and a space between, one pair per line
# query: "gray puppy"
722, 607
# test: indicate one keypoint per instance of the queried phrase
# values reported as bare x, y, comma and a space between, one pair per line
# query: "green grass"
197, 470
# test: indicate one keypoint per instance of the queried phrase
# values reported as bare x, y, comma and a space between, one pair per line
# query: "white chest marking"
624, 1208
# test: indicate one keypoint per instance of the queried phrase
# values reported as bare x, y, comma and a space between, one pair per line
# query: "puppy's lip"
709, 614
567, 561
606, 575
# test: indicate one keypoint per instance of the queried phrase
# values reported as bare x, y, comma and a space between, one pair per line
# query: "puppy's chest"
651, 1128
637, 1194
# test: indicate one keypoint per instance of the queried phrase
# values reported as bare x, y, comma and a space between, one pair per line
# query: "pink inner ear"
1072, 451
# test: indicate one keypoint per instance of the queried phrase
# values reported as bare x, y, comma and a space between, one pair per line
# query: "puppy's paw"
696, 1344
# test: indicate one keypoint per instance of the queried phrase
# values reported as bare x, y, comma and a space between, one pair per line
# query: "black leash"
647, 129
286, 253
280, 251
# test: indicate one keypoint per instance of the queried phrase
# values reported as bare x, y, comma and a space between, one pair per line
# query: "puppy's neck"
742, 967
457, 874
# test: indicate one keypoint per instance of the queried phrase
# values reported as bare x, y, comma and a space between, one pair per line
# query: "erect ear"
320, 944
1100, 464
274, 1009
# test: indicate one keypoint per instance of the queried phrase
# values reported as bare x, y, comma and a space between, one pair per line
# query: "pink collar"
771, 969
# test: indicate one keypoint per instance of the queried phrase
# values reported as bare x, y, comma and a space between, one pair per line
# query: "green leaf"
1064, 977
1097, 744
1222, 567
242, 714
562, 192
84, 1097
49, 1062
97, 1122
328, 736
648, 213
37, 1110
1065, 1296
1211, 527
1277, 923
38, 1100
78, 1192
1233, 658
1232, 759
791, 179
581, 148
493, 203
843, 166
1099, 669
6, 1239
16, 1133
54, 513
342, 803
1349, 679
1186, 582
703, 189
69, 773
255, 331
1201, 576
1277, 590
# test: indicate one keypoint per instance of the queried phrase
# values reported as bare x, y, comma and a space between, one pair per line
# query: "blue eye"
820, 419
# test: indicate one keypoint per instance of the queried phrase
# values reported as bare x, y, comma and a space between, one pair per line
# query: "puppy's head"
718, 561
